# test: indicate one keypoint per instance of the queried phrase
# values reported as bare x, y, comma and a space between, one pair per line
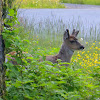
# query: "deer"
69, 45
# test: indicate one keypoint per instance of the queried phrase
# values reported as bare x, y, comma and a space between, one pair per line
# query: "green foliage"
41, 81
10, 34
39, 4
91, 2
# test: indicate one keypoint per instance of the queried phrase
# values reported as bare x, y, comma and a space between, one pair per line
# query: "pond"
81, 19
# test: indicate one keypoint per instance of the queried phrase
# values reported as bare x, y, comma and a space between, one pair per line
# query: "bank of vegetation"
52, 3
39, 4
89, 2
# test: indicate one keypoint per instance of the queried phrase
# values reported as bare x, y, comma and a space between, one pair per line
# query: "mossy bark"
2, 57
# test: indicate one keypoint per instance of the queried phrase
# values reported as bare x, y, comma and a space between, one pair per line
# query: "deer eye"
72, 41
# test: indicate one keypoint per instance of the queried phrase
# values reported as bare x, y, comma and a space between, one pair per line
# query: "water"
86, 20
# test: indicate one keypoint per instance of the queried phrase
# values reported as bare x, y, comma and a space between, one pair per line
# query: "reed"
50, 32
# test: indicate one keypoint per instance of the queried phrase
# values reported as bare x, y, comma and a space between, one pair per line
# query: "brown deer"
70, 44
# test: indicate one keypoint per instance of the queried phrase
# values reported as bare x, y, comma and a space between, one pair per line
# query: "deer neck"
65, 53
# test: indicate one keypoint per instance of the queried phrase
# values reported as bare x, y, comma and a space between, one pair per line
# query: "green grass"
39, 4
90, 2
51, 3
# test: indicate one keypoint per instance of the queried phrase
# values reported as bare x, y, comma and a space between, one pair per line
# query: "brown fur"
70, 44
68, 47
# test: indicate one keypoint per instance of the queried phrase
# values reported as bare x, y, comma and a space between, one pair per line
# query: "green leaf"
63, 93
18, 84
44, 58
1, 99
27, 81
11, 12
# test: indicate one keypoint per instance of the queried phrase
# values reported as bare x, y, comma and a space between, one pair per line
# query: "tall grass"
52, 30
91, 2
39, 4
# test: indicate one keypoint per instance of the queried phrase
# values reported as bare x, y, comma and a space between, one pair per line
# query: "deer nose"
82, 47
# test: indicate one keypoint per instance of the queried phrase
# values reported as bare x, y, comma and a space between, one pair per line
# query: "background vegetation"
39, 4
51, 3
90, 2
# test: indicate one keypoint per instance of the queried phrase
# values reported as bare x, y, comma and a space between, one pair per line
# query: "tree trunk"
2, 57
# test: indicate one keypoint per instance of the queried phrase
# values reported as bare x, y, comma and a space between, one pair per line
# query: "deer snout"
82, 47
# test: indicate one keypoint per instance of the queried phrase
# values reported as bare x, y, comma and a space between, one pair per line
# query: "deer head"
71, 41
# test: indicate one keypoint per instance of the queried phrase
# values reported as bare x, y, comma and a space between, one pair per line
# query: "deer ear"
75, 33
66, 34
